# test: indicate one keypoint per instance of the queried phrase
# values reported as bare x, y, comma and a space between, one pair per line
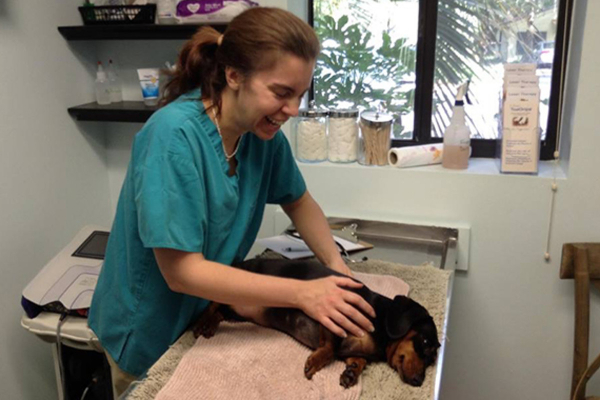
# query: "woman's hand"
339, 310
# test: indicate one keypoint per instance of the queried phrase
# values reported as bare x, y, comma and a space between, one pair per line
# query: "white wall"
511, 325
53, 176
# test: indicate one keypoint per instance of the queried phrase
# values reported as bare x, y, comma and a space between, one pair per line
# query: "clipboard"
291, 246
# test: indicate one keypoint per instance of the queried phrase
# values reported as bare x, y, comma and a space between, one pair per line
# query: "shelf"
125, 111
132, 32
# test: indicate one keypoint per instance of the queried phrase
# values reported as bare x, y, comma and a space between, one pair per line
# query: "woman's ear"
233, 77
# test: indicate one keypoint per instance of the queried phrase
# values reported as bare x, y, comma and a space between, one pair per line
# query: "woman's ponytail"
197, 66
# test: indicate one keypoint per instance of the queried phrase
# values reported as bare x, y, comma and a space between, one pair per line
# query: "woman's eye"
281, 95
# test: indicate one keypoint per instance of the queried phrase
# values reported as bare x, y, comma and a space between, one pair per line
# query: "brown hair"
251, 43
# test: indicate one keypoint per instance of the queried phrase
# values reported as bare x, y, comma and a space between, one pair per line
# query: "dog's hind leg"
209, 321
354, 367
323, 355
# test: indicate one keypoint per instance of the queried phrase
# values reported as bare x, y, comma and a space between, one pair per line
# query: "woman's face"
268, 98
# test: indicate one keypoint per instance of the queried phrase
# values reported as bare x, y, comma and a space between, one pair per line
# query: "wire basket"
118, 15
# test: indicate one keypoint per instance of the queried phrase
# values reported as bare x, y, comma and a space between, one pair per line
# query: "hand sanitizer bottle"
102, 86
457, 137
116, 93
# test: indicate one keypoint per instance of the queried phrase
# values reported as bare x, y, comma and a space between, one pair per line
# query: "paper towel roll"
413, 156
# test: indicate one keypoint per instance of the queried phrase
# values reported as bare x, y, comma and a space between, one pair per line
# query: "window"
410, 56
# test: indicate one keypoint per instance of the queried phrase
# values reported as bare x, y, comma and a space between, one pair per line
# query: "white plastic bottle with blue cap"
457, 137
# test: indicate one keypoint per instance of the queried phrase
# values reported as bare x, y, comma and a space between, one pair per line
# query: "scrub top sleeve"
171, 199
286, 184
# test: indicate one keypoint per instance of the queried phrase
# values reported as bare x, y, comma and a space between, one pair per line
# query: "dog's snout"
417, 381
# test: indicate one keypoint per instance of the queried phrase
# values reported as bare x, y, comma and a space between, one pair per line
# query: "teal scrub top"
177, 194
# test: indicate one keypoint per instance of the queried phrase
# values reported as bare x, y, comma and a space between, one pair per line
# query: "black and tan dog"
405, 335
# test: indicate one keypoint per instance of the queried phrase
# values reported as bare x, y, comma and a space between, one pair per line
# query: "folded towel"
246, 361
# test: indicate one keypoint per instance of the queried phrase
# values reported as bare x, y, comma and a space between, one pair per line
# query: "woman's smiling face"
267, 99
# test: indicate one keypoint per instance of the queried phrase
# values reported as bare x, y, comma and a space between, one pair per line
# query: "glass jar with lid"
343, 136
309, 132
375, 137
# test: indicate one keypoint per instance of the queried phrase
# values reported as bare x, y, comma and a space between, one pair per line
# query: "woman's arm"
324, 300
310, 222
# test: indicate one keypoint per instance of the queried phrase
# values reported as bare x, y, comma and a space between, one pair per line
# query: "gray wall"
53, 172
511, 325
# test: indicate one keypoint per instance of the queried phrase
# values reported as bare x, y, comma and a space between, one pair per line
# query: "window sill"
477, 166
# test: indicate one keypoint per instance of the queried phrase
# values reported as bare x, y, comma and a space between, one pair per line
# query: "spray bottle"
457, 137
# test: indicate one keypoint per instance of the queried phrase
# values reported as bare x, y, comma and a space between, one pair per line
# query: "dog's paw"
207, 331
348, 378
207, 327
310, 368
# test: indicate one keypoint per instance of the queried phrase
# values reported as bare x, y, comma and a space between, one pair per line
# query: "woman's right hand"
326, 301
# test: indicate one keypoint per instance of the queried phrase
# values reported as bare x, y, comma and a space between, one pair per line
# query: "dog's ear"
402, 315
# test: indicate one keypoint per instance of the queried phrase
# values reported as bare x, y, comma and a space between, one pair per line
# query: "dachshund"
405, 335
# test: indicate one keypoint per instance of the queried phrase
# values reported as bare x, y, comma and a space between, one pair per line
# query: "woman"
201, 171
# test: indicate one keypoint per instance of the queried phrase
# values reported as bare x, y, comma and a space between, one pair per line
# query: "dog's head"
413, 341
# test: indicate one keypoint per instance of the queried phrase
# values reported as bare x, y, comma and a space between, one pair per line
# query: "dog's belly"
295, 323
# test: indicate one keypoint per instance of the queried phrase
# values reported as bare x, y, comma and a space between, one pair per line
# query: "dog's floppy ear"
402, 315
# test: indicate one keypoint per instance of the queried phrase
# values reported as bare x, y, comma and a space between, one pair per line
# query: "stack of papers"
293, 248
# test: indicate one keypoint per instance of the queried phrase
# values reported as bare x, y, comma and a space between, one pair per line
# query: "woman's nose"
291, 107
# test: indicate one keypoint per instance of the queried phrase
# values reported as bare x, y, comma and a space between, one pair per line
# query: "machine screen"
94, 246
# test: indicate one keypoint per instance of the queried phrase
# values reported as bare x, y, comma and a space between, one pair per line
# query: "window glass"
368, 57
370, 50
474, 40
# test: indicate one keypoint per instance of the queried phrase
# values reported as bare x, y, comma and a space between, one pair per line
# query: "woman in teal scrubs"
202, 170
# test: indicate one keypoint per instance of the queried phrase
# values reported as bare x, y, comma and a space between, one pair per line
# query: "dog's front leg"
354, 367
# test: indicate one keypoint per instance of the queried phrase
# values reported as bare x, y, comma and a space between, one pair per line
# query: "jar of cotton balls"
309, 131
343, 136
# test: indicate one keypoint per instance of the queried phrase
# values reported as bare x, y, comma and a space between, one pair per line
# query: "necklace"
237, 146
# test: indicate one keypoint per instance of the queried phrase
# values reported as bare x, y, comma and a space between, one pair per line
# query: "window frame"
425, 71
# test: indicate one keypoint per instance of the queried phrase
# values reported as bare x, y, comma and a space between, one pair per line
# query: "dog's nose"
417, 381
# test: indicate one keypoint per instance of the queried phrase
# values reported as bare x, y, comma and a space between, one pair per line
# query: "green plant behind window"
351, 72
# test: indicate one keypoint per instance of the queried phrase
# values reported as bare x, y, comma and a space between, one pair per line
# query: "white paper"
294, 248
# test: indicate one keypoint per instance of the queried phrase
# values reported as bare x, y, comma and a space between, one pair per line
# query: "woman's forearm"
192, 274
325, 299
311, 223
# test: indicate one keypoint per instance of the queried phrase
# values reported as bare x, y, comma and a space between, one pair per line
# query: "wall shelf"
132, 32
125, 111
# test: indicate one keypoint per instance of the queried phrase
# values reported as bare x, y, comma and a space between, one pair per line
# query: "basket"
118, 15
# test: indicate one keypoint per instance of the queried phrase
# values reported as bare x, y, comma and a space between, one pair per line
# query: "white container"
149, 83
116, 92
165, 12
310, 135
343, 136
102, 86
375, 137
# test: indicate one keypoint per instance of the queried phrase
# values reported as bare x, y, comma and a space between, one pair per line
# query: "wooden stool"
581, 261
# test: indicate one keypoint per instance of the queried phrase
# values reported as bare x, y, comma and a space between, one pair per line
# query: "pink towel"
246, 361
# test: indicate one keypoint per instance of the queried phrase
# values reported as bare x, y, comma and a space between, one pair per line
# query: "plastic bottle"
457, 137
165, 12
102, 86
116, 92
